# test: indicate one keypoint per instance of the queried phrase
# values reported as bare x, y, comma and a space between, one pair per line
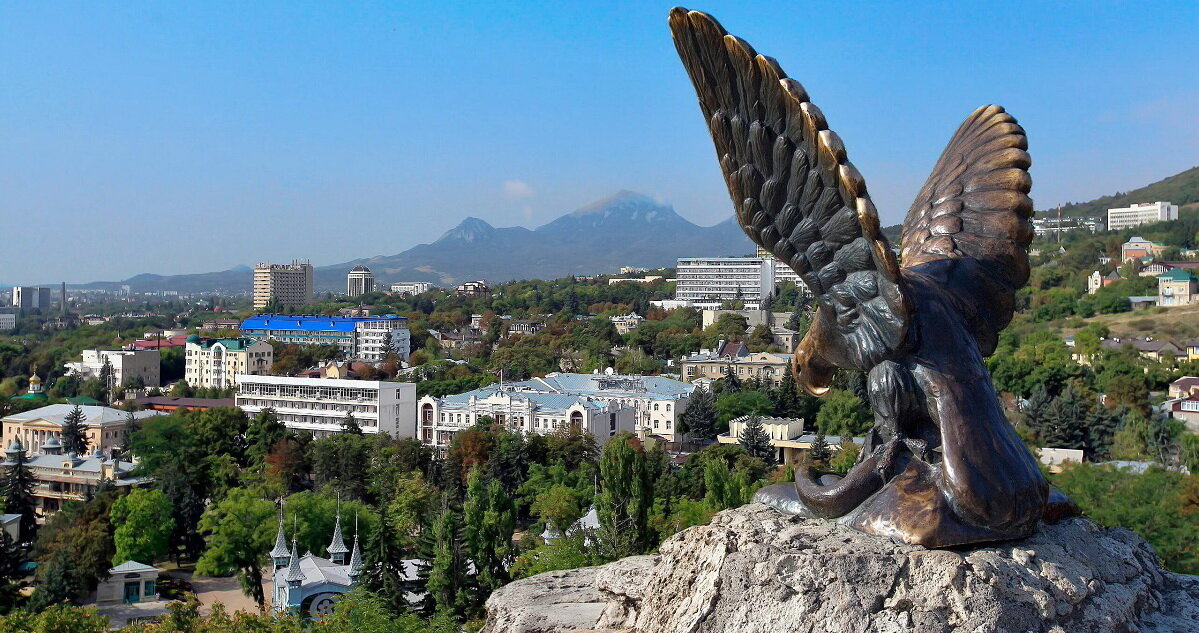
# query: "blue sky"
172, 137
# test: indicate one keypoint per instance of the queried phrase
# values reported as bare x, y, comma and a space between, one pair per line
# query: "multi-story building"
711, 282
1177, 287
473, 289
60, 478
1140, 213
283, 284
128, 365
217, 362
8, 319
602, 404
734, 358
787, 437
320, 405
782, 272
357, 337
411, 287
105, 426
1140, 248
626, 323
31, 298
359, 281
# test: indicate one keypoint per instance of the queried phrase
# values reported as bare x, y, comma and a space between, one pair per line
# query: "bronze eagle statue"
941, 466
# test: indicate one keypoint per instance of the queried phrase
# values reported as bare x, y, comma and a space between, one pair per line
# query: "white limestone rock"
753, 570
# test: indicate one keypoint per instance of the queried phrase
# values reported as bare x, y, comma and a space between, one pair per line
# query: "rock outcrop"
754, 570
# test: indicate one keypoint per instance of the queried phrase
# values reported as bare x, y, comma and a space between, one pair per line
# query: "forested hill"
1181, 189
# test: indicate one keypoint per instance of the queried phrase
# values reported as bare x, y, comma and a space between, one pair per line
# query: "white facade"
1141, 213
360, 281
708, 282
320, 405
360, 338
782, 272
290, 283
218, 362
30, 298
411, 287
8, 319
127, 365
530, 412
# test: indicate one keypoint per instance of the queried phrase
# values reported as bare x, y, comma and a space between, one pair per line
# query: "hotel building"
358, 337
319, 405
1141, 213
289, 284
217, 362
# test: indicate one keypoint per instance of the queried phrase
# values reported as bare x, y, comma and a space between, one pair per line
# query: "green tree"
383, 570
626, 496
16, 488
447, 583
142, 525
74, 432
238, 533
263, 432
558, 507
755, 440
699, 418
489, 522
739, 403
819, 451
350, 425
843, 414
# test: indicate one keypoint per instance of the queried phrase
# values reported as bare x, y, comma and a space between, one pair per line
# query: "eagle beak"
811, 371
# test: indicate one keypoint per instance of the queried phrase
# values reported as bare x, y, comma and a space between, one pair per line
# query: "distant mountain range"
625, 229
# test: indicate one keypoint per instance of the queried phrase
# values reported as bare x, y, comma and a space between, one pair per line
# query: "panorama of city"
565, 405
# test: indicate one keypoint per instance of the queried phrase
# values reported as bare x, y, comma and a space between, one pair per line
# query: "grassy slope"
1181, 189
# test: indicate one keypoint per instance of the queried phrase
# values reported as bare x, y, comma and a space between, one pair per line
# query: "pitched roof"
132, 567
57, 414
1177, 274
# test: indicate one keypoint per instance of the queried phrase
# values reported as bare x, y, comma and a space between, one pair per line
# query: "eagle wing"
969, 226
795, 193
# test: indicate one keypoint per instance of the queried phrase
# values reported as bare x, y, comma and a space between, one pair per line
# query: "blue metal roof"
310, 322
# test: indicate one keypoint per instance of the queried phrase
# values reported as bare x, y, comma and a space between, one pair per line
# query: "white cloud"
517, 189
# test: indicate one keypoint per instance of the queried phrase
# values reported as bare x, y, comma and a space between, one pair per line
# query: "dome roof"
193, 338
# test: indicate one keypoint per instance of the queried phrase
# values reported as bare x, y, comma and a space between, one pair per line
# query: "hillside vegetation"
1181, 189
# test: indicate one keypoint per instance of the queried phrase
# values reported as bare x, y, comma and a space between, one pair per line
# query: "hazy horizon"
179, 139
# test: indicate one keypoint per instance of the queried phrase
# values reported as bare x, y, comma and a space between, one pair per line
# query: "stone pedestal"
754, 570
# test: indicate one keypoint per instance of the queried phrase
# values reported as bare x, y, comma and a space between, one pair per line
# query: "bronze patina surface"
942, 466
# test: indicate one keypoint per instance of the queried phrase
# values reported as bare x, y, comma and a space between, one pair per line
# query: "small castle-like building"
310, 585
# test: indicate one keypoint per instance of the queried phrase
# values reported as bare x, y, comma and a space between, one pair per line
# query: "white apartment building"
128, 365
218, 362
8, 319
320, 405
708, 282
358, 337
30, 298
411, 287
360, 281
782, 272
1141, 213
290, 284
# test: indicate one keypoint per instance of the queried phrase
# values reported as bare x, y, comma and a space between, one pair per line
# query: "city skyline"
283, 120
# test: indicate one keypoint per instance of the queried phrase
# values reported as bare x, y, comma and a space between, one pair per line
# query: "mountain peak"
470, 229
623, 210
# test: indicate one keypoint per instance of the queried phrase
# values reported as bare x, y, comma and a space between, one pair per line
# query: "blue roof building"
357, 337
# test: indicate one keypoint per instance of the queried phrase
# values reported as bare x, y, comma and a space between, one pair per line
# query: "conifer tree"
16, 488
74, 432
626, 496
446, 583
350, 425
819, 451
383, 565
699, 418
756, 441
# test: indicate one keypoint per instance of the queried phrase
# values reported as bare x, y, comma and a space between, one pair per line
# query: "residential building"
626, 323
734, 358
753, 318
523, 327
1185, 386
411, 287
129, 366
357, 337
602, 404
782, 272
221, 324
1139, 248
70, 477
31, 298
648, 279
786, 436
1177, 287
1148, 347
1184, 409
320, 405
159, 342
105, 426
456, 339
360, 281
632, 270
217, 362
1140, 213
8, 319
711, 282
473, 289
282, 284
1097, 280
